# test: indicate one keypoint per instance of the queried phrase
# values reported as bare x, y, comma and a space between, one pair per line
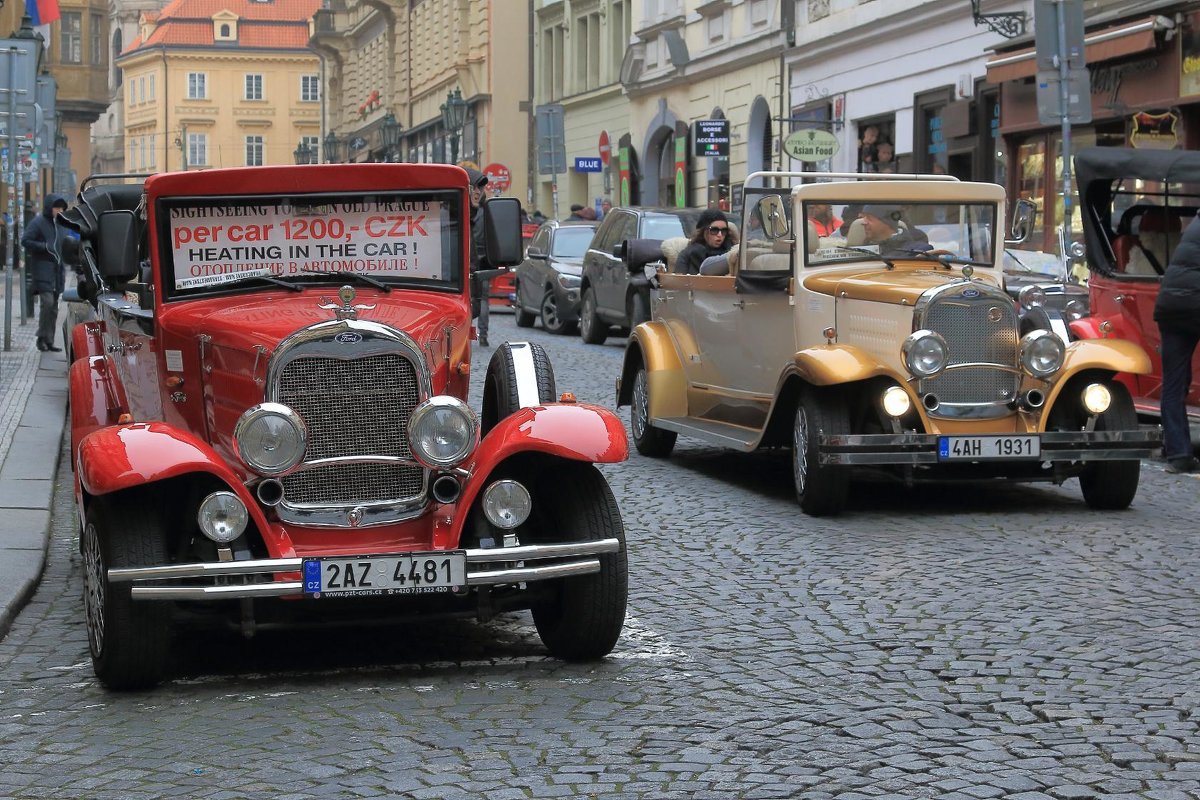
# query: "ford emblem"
966, 293
348, 337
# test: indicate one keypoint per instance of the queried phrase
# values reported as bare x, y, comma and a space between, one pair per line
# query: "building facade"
221, 83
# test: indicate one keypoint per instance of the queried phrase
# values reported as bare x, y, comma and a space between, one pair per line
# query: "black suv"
608, 295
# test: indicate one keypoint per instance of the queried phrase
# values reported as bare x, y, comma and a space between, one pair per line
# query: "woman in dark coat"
713, 237
1177, 312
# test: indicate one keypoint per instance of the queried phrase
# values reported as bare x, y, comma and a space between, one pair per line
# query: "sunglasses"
715, 229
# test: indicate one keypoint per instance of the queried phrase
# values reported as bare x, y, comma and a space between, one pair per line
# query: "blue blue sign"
588, 165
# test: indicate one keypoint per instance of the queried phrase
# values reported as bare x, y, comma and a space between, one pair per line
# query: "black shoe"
50, 348
483, 341
1182, 465
41, 344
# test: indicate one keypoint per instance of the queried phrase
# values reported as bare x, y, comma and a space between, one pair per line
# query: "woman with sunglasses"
713, 237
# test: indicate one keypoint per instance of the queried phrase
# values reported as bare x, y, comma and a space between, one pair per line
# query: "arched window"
225, 30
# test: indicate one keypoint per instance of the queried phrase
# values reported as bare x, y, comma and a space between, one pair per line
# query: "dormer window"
224, 33
225, 27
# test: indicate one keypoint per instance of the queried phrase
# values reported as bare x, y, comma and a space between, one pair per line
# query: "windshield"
1033, 262
661, 226
572, 242
212, 245
856, 231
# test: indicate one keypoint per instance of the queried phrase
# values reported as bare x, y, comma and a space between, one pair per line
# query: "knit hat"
477, 178
885, 213
709, 216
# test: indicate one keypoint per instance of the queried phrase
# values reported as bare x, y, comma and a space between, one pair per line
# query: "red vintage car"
269, 418
1135, 204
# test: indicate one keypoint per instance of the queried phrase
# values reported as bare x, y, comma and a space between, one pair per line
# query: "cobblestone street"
951, 641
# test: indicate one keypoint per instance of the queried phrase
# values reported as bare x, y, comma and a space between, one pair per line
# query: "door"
613, 275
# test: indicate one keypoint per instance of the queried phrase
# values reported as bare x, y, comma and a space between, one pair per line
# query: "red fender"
1089, 328
124, 456
85, 340
94, 400
579, 432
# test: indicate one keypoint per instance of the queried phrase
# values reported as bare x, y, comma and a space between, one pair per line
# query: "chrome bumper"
922, 448
152, 583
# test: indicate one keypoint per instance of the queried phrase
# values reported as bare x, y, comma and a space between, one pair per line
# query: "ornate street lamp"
454, 117
333, 146
389, 134
304, 154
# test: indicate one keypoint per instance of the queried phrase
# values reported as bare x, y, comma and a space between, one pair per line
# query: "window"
95, 31
197, 86
552, 61
586, 41
151, 148
132, 165
760, 12
225, 31
72, 37
714, 28
254, 151
142, 161
151, 88
254, 87
310, 89
197, 150
619, 31
141, 89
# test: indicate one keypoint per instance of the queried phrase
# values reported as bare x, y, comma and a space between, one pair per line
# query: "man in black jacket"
1177, 312
480, 289
43, 247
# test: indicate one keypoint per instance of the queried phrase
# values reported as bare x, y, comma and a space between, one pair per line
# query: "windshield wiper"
872, 253
291, 287
337, 273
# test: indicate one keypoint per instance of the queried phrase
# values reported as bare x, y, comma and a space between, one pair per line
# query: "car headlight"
270, 438
442, 432
1075, 309
222, 517
568, 281
925, 353
1096, 398
896, 402
1031, 297
1042, 353
506, 504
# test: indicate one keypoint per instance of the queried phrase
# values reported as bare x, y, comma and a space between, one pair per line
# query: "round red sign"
605, 147
499, 178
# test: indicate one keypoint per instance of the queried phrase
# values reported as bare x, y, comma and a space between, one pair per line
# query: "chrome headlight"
1075, 309
1031, 297
442, 432
1042, 353
506, 504
222, 517
270, 438
925, 353
569, 281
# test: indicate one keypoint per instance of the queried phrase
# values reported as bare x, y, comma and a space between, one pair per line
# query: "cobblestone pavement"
955, 642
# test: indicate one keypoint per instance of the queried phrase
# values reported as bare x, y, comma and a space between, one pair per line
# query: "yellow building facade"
221, 83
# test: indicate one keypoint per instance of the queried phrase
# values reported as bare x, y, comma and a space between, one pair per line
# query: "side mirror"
537, 252
117, 251
502, 231
772, 212
1023, 219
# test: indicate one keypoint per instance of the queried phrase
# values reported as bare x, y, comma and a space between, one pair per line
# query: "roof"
273, 24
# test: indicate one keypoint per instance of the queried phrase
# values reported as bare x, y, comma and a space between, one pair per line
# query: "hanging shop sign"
812, 144
1155, 130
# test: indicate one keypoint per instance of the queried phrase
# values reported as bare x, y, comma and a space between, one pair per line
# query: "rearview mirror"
1022, 224
772, 213
502, 231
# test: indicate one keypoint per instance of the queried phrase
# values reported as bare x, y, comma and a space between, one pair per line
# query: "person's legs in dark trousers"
1177, 350
47, 320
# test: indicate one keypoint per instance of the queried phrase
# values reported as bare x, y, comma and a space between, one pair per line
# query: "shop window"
876, 145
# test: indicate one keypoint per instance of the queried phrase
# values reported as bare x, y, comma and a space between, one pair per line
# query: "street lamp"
454, 117
389, 134
304, 154
333, 147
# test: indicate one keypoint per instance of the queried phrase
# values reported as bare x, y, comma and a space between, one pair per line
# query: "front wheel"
525, 319
592, 329
822, 489
129, 640
581, 617
649, 440
506, 372
1112, 485
552, 319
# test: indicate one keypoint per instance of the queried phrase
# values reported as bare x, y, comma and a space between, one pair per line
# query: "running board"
735, 437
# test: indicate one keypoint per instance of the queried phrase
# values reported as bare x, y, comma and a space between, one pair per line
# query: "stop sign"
605, 148
499, 178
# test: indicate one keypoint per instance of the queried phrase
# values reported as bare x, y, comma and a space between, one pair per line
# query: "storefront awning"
1104, 45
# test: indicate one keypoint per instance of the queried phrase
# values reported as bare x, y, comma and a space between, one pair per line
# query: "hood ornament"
347, 310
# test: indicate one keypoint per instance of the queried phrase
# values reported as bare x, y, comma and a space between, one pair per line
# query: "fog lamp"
442, 432
506, 504
1096, 398
925, 353
896, 401
270, 438
222, 517
1042, 353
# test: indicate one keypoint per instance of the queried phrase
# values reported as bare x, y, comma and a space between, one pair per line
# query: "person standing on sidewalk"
1177, 312
43, 247
480, 288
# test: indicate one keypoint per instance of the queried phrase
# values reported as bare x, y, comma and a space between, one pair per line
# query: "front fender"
832, 364
579, 432
95, 401
1089, 328
1114, 355
652, 345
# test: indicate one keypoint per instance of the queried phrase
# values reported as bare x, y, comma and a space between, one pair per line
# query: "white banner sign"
382, 239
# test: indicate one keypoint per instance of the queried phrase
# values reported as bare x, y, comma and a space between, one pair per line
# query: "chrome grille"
977, 330
356, 407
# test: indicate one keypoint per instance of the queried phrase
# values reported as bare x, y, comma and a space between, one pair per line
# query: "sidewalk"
33, 409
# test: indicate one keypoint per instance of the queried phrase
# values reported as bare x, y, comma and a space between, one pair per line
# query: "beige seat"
813, 240
856, 236
671, 248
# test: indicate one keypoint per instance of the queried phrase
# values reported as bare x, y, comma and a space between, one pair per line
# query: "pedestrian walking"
1177, 312
481, 288
43, 247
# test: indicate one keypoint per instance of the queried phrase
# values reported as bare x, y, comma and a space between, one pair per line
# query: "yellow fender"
1110, 355
651, 344
832, 364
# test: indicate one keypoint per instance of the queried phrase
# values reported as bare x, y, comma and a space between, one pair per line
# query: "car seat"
1158, 234
856, 236
671, 248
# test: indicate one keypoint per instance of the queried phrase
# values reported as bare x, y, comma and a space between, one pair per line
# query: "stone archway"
658, 162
